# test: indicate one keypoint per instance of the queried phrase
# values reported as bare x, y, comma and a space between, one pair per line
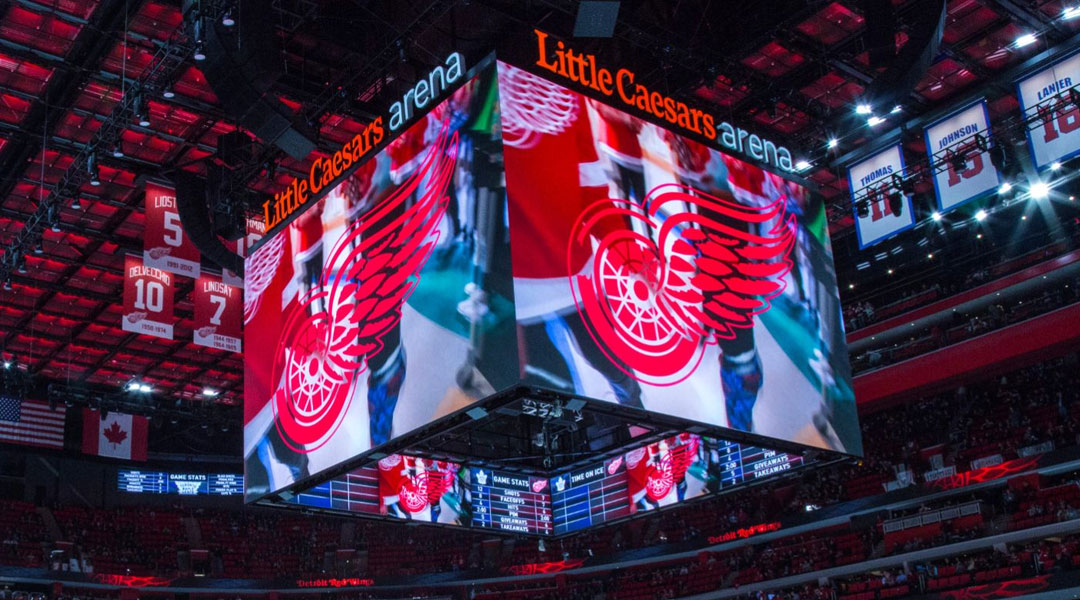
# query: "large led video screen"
652, 271
379, 308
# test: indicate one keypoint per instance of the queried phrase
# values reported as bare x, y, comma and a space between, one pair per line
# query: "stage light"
1039, 190
1054, 166
851, 286
39, 248
1005, 188
210, 393
199, 55
7, 363
227, 19
896, 109
930, 256
978, 236
76, 204
890, 271
117, 150
958, 162
1025, 40
145, 388
874, 121
1023, 218
140, 111
802, 165
833, 142
55, 227
131, 386
7, 287
168, 92
92, 170
980, 216
21, 269
936, 216
863, 109
1070, 13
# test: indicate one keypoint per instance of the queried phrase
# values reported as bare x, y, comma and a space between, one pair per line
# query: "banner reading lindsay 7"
957, 146
148, 299
871, 182
219, 313
660, 274
165, 246
1055, 136
379, 308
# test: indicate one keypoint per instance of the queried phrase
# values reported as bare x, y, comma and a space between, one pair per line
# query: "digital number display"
183, 484
510, 502
591, 496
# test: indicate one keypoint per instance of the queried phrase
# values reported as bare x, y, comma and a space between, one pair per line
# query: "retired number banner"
1055, 136
165, 246
219, 313
871, 180
965, 133
148, 299
256, 229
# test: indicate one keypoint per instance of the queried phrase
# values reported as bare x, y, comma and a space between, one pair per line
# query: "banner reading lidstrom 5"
871, 180
959, 134
1056, 135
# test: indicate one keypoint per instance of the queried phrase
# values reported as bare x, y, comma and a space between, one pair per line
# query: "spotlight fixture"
139, 109
851, 286
168, 92
21, 265
1055, 166
210, 393
896, 109
833, 142
930, 256
980, 216
1005, 188
1070, 13
145, 388
117, 150
92, 170
7, 287
227, 19
76, 204
958, 162
802, 165
1039, 190
936, 216
874, 121
39, 248
7, 363
862, 208
890, 271
1026, 39
199, 53
863, 109
896, 202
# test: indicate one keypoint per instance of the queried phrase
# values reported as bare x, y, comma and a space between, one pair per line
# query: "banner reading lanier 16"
381, 308
658, 273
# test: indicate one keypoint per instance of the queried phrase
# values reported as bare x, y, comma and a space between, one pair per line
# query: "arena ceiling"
790, 69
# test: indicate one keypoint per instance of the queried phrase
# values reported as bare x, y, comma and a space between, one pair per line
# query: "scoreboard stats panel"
184, 484
356, 491
590, 496
510, 502
742, 464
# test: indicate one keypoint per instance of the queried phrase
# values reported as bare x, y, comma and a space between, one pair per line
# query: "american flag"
32, 423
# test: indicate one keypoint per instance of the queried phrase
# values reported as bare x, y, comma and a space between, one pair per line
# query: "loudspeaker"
596, 18
880, 34
911, 63
191, 204
242, 64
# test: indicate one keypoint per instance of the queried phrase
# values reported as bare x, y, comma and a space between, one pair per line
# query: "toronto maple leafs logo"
676, 273
560, 484
114, 434
481, 477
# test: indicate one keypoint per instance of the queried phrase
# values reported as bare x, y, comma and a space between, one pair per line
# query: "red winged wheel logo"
369, 274
681, 271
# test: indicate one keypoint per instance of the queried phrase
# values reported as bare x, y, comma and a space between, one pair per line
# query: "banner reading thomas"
658, 273
148, 300
165, 246
871, 182
960, 142
219, 313
1051, 96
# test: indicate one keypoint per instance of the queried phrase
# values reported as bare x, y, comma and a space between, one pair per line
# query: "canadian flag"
116, 435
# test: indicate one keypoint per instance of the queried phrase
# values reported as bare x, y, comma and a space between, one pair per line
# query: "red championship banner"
219, 313
148, 299
255, 230
165, 246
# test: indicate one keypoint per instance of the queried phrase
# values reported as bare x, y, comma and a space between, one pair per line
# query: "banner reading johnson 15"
655, 272
368, 316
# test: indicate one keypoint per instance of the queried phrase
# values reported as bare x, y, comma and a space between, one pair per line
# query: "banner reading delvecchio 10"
148, 299
871, 181
379, 308
165, 246
1050, 95
957, 146
219, 313
658, 273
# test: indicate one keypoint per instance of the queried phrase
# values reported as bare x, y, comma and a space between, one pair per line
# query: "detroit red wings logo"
368, 275
660, 480
681, 271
